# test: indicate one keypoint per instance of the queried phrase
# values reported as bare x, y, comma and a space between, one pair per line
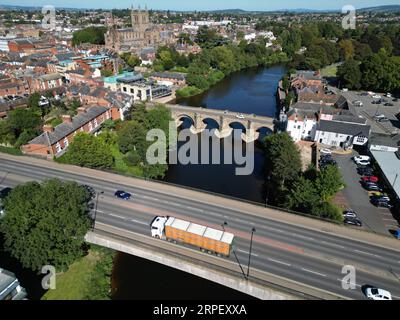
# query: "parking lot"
369, 110
379, 220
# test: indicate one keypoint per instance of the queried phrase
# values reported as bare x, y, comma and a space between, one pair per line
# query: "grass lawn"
72, 284
329, 71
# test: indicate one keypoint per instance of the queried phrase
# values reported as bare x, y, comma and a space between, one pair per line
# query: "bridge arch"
234, 124
184, 119
211, 123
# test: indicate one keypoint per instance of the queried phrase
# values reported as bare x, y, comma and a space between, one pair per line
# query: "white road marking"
367, 253
357, 285
124, 218
280, 262
246, 252
314, 272
333, 244
303, 237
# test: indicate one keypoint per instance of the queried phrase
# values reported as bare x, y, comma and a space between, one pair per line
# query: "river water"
249, 91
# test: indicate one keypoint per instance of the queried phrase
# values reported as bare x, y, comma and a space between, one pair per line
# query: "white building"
343, 132
302, 125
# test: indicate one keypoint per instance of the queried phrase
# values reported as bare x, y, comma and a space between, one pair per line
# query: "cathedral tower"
140, 19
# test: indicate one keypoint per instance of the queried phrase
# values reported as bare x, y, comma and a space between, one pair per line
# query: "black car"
383, 203
389, 104
365, 171
353, 221
371, 186
122, 195
5, 192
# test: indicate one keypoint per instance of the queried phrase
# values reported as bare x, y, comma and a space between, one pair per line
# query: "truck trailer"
206, 239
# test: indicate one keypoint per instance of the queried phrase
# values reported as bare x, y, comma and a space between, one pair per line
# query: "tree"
89, 151
93, 35
283, 161
329, 182
24, 120
33, 100
350, 74
347, 49
302, 196
46, 223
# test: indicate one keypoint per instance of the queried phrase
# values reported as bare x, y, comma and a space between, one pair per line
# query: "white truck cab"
157, 227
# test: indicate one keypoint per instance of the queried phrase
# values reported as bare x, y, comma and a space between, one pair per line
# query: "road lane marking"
314, 272
333, 244
357, 285
246, 252
280, 262
367, 253
303, 237
123, 218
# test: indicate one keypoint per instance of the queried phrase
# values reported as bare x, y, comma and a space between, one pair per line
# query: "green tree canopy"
89, 151
45, 223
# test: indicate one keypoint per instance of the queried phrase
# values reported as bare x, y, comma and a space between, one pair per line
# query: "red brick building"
54, 141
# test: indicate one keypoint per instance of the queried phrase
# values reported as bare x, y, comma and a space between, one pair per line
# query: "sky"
255, 5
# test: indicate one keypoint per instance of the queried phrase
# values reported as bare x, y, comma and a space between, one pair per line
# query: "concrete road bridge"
251, 123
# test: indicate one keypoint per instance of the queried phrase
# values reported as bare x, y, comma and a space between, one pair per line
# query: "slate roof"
169, 75
349, 118
351, 129
64, 129
385, 140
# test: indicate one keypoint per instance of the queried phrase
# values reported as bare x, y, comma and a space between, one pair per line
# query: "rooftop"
390, 165
64, 129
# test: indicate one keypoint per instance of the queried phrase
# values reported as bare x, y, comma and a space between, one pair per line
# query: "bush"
188, 92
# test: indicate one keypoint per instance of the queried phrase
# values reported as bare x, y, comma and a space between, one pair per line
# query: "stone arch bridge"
251, 122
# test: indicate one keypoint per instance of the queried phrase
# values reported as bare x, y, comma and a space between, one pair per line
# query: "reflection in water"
249, 91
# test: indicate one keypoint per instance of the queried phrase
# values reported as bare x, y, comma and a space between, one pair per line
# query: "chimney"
48, 128
81, 110
66, 118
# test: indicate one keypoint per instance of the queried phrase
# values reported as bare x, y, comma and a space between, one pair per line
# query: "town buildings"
53, 142
10, 288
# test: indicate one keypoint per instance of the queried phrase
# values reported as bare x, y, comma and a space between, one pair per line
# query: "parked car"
389, 104
240, 116
377, 294
369, 186
358, 103
363, 163
380, 196
397, 234
353, 221
361, 158
325, 151
327, 162
381, 203
373, 179
349, 214
379, 116
365, 171
122, 195
388, 95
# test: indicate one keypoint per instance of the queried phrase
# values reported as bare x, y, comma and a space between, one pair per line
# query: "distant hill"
392, 8
231, 11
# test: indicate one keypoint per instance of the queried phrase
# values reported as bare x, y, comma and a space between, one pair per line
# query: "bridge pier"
250, 136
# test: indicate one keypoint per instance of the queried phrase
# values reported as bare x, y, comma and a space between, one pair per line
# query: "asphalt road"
294, 252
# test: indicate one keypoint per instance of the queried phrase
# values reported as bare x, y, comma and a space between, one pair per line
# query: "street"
296, 252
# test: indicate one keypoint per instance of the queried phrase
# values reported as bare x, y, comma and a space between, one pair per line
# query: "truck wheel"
157, 237
203, 250
219, 255
210, 252
174, 241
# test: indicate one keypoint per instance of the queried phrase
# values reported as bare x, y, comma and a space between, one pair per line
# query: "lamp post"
233, 250
251, 246
95, 208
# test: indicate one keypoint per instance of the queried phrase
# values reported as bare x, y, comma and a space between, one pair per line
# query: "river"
248, 91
